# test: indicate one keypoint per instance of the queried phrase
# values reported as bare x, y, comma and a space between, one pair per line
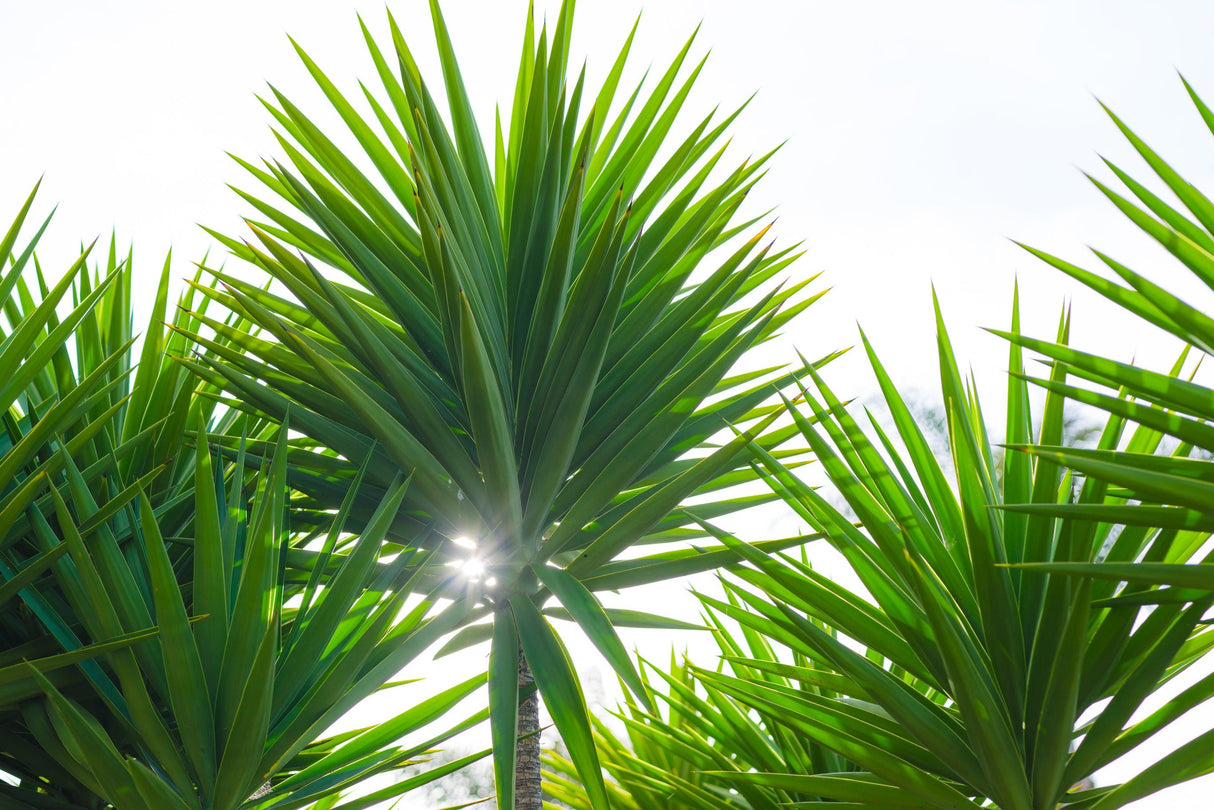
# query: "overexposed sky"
921, 136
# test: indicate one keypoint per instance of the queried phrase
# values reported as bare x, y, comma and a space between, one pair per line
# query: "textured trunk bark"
528, 790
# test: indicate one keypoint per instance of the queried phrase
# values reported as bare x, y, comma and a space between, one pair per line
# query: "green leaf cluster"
959, 675
171, 640
479, 385
542, 338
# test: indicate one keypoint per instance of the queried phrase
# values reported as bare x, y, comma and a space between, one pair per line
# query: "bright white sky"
921, 136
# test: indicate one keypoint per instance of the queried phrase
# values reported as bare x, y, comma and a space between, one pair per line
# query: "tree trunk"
528, 790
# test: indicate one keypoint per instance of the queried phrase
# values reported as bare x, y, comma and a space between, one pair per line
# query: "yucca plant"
65, 359
50, 411
542, 338
229, 708
674, 758
80, 417
973, 683
94, 710
1175, 492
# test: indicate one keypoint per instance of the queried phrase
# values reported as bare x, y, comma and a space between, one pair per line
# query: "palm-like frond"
81, 418
228, 708
1176, 492
59, 396
128, 640
539, 338
702, 750
974, 682
1179, 491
